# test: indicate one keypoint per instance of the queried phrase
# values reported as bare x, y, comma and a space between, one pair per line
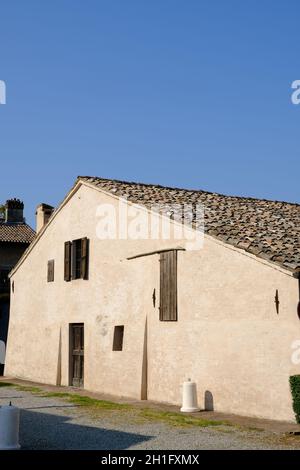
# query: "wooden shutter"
67, 264
84, 258
168, 286
50, 274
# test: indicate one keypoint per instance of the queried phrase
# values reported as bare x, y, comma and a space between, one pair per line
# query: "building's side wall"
228, 337
38, 343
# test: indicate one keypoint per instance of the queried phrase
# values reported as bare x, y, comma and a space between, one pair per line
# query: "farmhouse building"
134, 314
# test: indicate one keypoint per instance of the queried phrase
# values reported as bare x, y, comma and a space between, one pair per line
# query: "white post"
189, 397
9, 427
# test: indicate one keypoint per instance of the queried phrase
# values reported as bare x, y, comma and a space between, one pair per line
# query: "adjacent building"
106, 299
15, 237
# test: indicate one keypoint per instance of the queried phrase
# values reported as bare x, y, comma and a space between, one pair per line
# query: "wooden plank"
50, 272
157, 252
67, 261
168, 286
84, 258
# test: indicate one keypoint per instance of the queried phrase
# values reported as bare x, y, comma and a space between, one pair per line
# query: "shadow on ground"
43, 431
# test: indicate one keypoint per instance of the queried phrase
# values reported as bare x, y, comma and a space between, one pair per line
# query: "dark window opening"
77, 259
118, 338
168, 286
50, 273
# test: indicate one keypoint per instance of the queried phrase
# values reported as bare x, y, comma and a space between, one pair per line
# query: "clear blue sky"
191, 93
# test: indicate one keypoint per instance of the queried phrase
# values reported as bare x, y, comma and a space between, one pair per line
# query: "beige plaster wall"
228, 338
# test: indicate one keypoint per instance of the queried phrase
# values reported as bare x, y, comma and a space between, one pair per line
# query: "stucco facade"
229, 337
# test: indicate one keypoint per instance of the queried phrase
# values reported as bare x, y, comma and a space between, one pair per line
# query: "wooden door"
77, 354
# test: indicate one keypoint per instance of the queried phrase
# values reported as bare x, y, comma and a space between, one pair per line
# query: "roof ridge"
16, 232
15, 223
175, 188
270, 231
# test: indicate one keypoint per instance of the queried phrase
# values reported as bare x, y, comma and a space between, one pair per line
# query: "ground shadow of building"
47, 431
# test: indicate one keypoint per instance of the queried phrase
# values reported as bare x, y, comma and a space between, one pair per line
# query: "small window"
118, 338
50, 274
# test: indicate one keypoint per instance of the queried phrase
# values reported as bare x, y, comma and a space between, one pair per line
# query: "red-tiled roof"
267, 229
16, 233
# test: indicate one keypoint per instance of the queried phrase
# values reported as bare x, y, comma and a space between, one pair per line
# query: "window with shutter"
67, 263
77, 259
50, 274
168, 286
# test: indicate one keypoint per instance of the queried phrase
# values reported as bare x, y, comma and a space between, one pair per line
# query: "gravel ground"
52, 423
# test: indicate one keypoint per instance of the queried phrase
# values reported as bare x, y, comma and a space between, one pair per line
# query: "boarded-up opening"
168, 286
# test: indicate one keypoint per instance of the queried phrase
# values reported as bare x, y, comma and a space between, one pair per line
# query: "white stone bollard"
9, 427
189, 397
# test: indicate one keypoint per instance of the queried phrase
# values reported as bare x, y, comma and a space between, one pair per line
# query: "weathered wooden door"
77, 354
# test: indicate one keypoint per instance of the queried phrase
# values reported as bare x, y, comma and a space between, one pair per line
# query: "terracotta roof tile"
268, 229
16, 233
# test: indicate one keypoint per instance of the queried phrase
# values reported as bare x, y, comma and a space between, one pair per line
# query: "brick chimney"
43, 214
14, 211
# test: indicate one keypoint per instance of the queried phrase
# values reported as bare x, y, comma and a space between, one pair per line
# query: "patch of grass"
289, 440
24, 388
230, 430
56, 395
83, 400
95, 406
252, 428
104, 404
245, 428
177, 419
